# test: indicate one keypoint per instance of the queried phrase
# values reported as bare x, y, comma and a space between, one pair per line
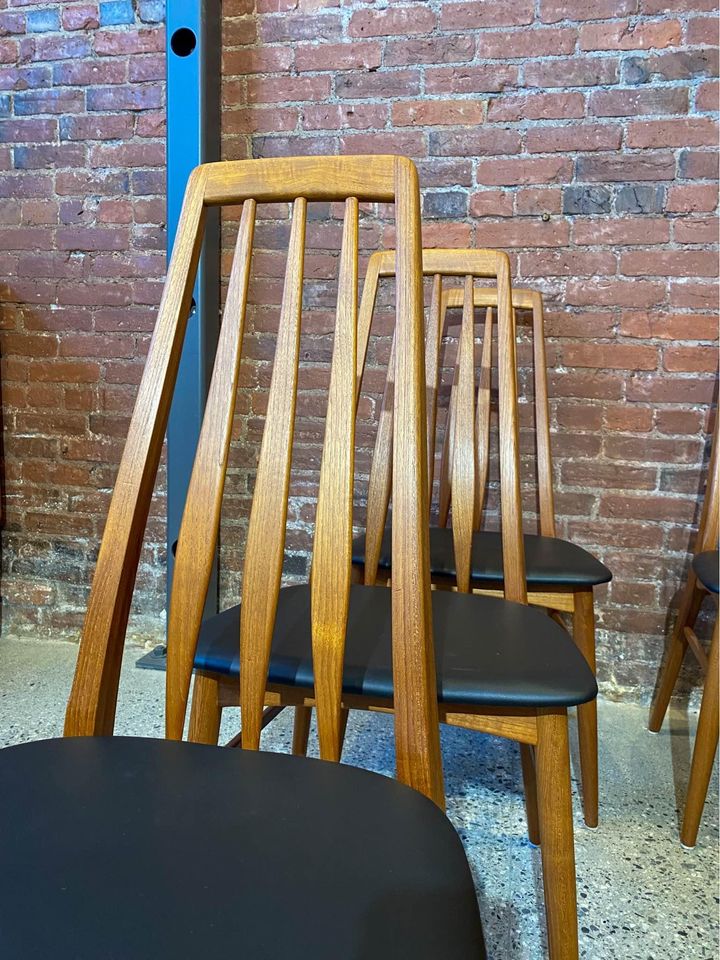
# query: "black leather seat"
489, 652
705, 566
124, 849
549, 561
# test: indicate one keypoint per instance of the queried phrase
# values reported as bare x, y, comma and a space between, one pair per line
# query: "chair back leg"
706, 741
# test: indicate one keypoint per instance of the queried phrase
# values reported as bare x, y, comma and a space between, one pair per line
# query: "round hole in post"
183, 42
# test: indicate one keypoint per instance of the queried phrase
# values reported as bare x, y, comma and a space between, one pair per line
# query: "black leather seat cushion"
705, 566
489, 652
126, 849
549, 561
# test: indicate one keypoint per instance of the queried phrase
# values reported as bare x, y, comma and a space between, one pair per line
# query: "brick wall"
82, 256
585, 147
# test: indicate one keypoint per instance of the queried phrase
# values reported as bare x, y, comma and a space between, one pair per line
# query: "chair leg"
205, 711
344, 714
556, 834
687, 614
527, 761
301, 730
584, 636
704, 751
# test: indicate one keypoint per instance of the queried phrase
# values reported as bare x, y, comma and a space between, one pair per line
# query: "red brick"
553, 11
629, 419
632, 102
702, 30
491, 203
693, 294
670, 390
610, 356
338, 56
479, 14
522, 233
520, 171
448, 49
693, 198
623, 231
466, 80
538, 42
679, 422
690, 359
613, 292
566, 263
622, 36
695, 230
145, 68
116, 43
674, 263
437, 112
267, 59
576, 137
707, 96
81, 17
537, 200
693, 131
669, 326
623, 167
391, 22
572, 72
474, 143
539, 106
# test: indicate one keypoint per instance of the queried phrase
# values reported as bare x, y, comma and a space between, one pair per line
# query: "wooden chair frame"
92, 703
542, 733
576, 600
684, 636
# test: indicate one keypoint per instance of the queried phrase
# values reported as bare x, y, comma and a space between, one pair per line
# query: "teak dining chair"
702, 580
502, 667
560, 575
287, 856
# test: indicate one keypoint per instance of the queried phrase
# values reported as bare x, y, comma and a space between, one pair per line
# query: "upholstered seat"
705, 566
489, 652
549, 561
113, 853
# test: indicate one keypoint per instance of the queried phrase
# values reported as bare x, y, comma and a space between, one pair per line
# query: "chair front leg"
552, 759
687, 615
584, 636
205, 711
706, 741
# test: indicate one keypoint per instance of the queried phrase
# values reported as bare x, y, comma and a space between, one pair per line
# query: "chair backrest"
438, 264
351, 180
525, 300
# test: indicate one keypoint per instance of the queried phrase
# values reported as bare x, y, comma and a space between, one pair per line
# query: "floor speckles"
641, 896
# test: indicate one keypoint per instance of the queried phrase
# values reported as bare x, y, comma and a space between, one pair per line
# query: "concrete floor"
641, 895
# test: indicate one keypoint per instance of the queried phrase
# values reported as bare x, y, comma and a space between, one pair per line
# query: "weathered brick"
445, 204
639, 198
586, 200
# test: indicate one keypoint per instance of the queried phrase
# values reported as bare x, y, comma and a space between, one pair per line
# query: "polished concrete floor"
641, 895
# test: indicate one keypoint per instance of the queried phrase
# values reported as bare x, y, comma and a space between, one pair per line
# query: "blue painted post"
193, 137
